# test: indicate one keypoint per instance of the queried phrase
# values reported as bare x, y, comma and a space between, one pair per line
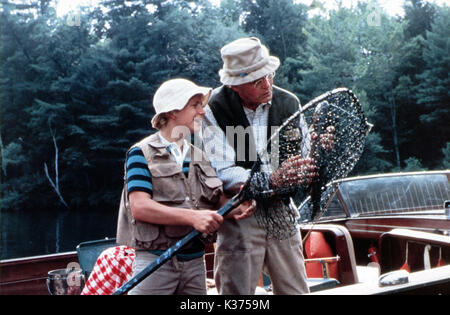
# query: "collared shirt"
222, 155
174, 150
258, 119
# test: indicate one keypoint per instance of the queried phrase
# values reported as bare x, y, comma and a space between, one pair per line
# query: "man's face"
256, 92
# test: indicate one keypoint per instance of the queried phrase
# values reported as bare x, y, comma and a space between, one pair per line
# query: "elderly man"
248, 98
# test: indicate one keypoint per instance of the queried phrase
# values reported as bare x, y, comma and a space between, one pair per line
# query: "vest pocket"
210, 185
168, 184
145, 234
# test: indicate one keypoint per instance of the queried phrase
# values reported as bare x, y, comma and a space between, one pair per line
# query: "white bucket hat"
246, 60
174, 95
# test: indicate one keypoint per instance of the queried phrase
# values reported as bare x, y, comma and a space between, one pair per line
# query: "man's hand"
294, 171
244, 210
326, 139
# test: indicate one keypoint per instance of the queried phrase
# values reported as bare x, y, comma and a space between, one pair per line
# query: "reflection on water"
30, 233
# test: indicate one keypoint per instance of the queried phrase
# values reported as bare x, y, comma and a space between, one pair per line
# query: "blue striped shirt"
138, 174
139, 177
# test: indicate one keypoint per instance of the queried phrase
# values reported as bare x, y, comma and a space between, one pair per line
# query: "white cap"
175, 94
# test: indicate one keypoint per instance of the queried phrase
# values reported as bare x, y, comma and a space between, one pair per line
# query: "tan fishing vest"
201, 189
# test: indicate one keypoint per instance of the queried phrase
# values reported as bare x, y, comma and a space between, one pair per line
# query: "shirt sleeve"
138, 174
221, 154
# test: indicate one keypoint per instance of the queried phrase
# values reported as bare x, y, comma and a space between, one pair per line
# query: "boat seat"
341, 250
401, 247
320, 261
89, 251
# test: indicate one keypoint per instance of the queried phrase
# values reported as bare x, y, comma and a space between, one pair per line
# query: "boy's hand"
207, 221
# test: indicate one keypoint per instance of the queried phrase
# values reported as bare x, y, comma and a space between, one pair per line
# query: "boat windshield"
423, 193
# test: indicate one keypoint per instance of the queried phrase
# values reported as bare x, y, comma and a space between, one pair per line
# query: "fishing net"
337, 133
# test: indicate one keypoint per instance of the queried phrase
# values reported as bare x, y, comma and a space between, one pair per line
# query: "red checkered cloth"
112, 269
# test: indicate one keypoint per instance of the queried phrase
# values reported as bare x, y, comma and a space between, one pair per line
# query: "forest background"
76, 90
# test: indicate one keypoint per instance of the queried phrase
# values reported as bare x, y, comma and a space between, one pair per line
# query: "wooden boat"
374, 225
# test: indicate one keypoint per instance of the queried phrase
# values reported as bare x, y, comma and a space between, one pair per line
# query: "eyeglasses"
260, 82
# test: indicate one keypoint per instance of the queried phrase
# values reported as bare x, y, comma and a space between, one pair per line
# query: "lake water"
31, 233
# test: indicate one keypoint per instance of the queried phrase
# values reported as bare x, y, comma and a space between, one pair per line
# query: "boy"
170, 189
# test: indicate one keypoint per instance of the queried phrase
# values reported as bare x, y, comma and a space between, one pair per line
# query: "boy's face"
192, 114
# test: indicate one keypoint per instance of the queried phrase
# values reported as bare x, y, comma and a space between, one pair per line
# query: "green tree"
333, 51
343, 50
446, 160
83, 92
280, 26
279, 23
433, 90
413, 164
40, 56
419, 14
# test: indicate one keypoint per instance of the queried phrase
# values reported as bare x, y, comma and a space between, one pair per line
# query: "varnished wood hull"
27, 276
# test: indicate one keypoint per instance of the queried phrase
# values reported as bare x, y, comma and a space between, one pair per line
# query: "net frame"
337, 111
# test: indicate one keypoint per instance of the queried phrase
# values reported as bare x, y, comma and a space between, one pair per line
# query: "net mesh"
337, 132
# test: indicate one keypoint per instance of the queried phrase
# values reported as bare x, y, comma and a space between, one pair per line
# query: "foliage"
446, 152
413, 164
433, 85
85, 90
